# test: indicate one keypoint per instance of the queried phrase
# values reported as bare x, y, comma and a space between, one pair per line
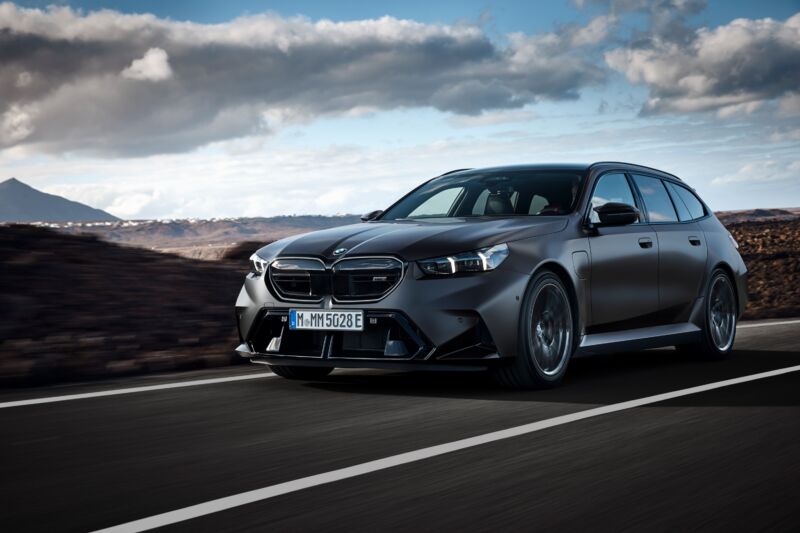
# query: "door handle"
694, 241
646, 242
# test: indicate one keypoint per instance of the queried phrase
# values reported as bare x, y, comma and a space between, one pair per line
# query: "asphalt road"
725, 459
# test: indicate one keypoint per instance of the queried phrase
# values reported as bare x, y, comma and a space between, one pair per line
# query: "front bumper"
467, 322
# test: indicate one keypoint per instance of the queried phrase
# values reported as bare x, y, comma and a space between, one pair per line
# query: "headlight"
733, 241
258, 265
481, 260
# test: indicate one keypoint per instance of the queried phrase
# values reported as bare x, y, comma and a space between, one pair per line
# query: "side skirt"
639, 339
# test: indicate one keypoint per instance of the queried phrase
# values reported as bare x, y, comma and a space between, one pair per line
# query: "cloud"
153, 66
15, 125
667, 19
762, 172
83, 91
732, 69
493, 118
596, 31
790, 104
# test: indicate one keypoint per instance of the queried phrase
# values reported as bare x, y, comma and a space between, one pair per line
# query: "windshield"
491, 194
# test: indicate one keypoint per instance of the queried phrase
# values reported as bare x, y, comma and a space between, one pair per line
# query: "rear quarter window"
692, 203
683, 212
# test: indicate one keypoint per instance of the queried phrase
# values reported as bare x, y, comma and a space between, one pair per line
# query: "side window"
683, 212
438, 205
694, 205
611, 188
656, 199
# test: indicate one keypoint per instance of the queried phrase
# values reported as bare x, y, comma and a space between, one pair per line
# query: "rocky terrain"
77, 307
771, 251
759, 215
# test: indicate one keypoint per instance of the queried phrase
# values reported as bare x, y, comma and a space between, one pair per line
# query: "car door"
624, 261
681, 247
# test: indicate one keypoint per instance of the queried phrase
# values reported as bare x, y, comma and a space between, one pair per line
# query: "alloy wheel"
551, 328
722, 313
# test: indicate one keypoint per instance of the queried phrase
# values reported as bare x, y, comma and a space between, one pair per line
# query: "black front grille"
365, 279
299, 279
348, 280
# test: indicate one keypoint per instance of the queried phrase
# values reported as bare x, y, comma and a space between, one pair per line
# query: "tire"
719, 321
546, 336
301, 372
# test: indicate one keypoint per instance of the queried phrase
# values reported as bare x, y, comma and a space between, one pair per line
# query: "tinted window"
438, 205
683, 212
656, 199
691, 201
499, 193
611, 188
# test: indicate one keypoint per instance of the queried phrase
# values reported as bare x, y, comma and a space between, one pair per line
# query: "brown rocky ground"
771, 251
74, 306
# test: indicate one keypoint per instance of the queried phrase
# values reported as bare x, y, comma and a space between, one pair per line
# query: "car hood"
412, 240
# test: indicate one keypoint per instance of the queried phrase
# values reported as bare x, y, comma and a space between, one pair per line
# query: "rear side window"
610, 188
656, 199
692, 203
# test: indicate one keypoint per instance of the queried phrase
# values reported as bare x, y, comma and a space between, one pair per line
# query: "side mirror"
617, 214
372, 215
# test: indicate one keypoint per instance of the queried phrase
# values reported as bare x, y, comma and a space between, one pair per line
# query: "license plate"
326, 320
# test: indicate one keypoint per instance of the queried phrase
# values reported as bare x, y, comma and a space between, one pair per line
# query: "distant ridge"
759, 215
22, 203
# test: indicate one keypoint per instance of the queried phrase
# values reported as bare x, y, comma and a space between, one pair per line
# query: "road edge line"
131, 390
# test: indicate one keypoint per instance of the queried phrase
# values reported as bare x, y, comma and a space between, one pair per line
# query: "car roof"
576, 167
580, 167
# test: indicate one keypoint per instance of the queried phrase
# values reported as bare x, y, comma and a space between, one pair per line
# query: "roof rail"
634, 165
454, 171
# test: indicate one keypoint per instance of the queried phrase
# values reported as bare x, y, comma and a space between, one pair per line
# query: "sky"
203, 109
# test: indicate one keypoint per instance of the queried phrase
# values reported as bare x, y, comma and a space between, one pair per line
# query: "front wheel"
719, 327
301, 372
547, 336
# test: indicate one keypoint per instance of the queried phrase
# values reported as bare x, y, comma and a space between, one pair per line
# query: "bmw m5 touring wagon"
513, 270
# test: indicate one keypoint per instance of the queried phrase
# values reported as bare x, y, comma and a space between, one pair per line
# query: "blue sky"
210, 109
505, 16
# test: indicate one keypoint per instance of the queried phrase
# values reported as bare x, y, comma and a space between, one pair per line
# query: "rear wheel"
719, 328
547, 336
301, 372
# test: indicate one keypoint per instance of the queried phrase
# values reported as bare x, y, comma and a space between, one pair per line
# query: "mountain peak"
12, 181
19, 202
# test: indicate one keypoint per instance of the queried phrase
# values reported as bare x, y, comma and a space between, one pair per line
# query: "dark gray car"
513, 269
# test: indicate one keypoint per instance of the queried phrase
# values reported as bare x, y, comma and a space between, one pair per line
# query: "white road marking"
131, 390
761, 325
180, 384
244, 498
